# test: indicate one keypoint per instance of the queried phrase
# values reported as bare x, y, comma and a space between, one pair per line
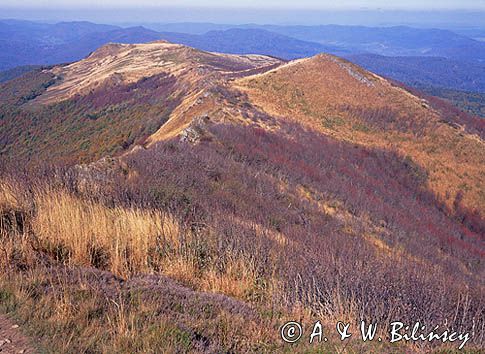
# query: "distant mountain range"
426, 71
249, 41
390, 41
23, 42
27, 43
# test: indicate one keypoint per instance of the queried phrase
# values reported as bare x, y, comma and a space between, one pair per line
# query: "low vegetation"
349, 104
335, 244
104, 122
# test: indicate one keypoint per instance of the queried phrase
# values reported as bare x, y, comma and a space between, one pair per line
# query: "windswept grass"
126, 241
123, 241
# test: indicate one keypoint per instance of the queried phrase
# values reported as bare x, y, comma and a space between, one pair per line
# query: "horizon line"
264, 8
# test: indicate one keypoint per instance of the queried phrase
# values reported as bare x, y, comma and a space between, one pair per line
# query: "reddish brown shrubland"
325, 262
363, 242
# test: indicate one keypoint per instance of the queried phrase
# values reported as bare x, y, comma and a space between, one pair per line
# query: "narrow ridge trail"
12, 341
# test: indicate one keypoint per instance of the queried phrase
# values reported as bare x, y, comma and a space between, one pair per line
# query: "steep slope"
342, 100
435, 159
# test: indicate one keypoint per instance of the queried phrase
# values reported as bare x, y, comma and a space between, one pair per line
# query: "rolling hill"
177, 199
107, 101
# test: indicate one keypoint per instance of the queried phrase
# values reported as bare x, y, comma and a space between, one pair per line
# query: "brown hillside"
114, 99
342, 100
117, 64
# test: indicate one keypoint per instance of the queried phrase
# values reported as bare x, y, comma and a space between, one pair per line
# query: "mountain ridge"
429, 73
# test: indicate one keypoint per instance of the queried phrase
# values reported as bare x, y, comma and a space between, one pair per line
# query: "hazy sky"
301, 4
417, 13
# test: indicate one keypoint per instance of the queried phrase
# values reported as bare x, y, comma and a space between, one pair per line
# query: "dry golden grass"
125, 241
75, 312
82, 315
8, 198
125, 237
11, 196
